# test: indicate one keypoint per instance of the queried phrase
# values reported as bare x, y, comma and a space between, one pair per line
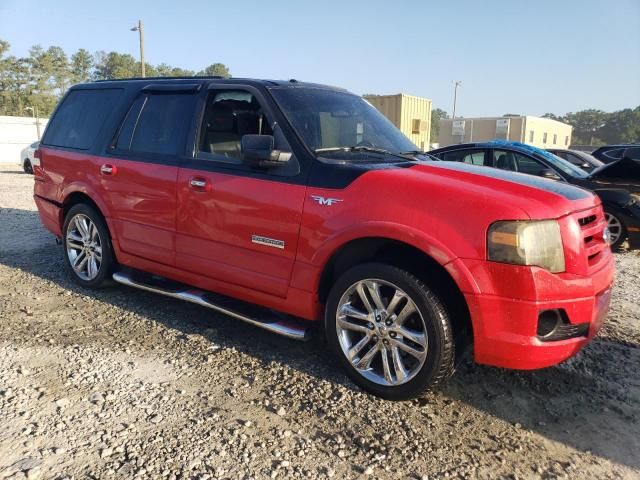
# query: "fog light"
548, 321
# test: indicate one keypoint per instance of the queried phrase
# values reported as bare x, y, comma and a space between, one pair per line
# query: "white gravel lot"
120, 383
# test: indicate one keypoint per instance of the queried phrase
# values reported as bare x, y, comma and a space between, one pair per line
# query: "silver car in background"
26, 157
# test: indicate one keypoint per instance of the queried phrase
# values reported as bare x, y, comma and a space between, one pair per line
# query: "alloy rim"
84, 247
381, 332
615, 228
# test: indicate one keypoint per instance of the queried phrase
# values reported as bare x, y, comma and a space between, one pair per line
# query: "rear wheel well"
74, 199
408, 258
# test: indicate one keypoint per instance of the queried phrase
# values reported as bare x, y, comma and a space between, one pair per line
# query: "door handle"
199, 184
108, 169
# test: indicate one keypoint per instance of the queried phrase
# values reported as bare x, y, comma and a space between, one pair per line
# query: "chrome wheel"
84, 247
615, 228
381, 332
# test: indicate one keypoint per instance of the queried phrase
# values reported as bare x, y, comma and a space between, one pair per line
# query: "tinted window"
614, 154
162, 124
79, 118
473, 157
516, 162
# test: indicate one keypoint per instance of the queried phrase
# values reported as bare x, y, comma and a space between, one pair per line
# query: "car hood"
540, 198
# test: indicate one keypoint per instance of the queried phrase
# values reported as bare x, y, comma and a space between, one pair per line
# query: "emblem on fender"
325, 201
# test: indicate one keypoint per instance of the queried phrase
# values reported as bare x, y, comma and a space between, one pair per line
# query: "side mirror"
258, 151
550, 174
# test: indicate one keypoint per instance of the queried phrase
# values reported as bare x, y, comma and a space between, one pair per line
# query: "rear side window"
157, 124
473, 157
80, 117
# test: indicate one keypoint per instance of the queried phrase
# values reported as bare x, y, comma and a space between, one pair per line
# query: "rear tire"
383, 309
26, 166
88, 252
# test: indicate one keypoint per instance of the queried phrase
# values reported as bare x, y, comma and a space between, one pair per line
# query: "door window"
228, 116
516, 162
473, 157
157, 124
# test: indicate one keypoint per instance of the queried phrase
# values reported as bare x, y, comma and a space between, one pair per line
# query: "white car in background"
26, 157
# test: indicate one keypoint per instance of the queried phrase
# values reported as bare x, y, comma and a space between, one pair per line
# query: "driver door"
237, 223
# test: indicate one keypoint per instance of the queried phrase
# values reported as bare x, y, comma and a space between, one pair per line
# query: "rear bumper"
505, 327
50, 215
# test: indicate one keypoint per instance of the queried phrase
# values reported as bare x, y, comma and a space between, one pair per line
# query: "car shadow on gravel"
585, 403
12, 172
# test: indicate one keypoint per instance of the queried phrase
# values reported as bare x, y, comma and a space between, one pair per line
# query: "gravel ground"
122, 383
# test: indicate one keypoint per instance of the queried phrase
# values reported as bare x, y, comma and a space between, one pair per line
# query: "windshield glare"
327, 119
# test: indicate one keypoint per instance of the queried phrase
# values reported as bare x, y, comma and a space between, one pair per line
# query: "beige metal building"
412, 115
536, 131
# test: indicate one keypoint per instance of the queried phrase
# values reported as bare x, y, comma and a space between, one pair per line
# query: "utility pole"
455, 97
140, 29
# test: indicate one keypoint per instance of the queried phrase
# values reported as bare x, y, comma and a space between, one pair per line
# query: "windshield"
339, 124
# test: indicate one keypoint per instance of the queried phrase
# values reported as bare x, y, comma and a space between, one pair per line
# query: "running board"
278, 323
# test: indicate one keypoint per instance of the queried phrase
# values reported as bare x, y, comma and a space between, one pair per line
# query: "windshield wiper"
362, 148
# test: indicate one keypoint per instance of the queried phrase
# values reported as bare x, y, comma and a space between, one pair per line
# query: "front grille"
584, 221
592, 227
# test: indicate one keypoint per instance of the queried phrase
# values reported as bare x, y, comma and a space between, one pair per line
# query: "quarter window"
80, 117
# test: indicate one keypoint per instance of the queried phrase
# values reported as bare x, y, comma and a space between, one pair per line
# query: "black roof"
208, 80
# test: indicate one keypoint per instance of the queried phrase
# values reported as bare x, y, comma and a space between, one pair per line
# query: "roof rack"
184, 77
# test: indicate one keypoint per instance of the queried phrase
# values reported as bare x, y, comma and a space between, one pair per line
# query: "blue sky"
512, 56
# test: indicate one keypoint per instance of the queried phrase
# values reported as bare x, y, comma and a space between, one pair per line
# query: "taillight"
38, 168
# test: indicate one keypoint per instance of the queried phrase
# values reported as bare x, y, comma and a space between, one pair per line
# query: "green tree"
81, 66
114, 65
165, 70
622, 126
553, 117
215, 69
436, 115
586, 125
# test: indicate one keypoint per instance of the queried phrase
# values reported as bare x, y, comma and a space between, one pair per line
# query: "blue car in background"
620, 197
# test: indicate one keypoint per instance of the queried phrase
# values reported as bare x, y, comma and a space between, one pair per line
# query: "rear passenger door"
237, 223
139, 176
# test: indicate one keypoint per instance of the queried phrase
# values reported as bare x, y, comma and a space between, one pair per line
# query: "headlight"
527, 243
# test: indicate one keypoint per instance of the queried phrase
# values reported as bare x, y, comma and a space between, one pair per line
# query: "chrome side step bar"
279, 325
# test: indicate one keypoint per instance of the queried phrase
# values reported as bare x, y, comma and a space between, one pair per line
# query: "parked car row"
286, 204
617, 183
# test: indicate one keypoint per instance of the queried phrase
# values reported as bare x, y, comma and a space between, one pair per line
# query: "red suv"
298, 204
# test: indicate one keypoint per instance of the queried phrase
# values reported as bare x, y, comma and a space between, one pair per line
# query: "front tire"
26, 166
389, 330
617, 228
87, 247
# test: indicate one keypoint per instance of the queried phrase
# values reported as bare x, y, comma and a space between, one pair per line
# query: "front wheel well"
411, 259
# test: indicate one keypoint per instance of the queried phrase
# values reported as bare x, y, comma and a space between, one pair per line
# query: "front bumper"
505, 326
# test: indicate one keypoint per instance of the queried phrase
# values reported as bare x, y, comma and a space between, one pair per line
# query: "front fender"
416, 238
